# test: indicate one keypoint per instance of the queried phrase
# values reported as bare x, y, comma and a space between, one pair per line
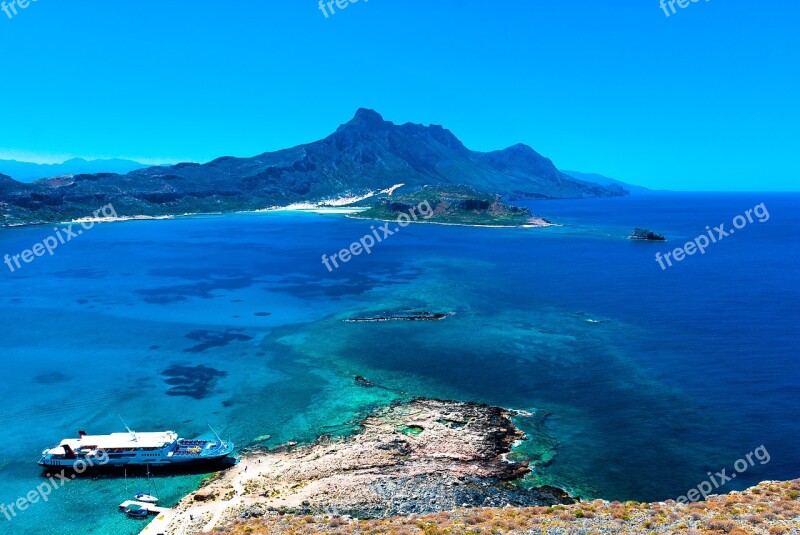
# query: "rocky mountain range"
30, 172
366, 154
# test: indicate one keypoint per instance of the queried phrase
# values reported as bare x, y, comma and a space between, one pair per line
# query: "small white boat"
145, 498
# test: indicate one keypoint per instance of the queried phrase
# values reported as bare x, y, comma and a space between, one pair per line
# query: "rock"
644, 234
424, 315
363, 381
204, 495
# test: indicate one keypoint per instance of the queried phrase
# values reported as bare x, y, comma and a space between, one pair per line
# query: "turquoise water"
640, 380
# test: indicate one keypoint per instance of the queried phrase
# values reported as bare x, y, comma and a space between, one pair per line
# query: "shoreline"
325, 206
346, 211
123, 219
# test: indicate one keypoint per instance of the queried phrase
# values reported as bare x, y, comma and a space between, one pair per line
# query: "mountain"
29, 172
605, 181
7, 184
364, 155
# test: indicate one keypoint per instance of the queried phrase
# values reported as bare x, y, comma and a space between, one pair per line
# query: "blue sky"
705, 99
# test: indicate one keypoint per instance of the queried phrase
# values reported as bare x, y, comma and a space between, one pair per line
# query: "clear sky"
705, 99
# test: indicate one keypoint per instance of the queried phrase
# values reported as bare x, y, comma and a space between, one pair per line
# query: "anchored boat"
134, 449
145, 498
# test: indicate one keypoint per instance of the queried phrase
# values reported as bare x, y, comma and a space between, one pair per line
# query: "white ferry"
134, 449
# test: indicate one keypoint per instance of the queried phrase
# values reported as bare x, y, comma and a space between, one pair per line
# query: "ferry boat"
134, 449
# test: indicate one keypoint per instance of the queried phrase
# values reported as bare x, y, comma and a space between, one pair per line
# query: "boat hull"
80, 465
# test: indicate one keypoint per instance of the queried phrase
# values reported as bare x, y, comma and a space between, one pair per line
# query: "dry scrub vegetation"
771, 508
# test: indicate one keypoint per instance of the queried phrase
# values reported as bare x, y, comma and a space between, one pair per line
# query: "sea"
636, 382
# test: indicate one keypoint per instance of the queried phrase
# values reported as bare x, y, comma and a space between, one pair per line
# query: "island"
420, 456
643, 234
453, 205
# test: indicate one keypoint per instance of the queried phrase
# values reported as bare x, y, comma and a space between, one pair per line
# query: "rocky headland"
418, 457
453, 205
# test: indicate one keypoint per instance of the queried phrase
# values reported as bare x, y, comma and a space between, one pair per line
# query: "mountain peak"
367, 115
365, 120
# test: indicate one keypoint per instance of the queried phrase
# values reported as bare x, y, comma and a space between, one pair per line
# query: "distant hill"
29, 172
605, 181
365, 155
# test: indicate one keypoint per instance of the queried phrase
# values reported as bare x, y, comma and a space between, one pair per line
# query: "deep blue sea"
640, 380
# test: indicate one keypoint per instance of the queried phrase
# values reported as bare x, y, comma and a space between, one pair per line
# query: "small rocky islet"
643, 234
400, 315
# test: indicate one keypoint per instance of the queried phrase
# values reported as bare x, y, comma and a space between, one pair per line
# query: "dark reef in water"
363, 381
209, 339
51, 378
195, 382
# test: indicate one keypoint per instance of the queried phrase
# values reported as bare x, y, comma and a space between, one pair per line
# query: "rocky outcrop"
424, 315
645, 235
421, 456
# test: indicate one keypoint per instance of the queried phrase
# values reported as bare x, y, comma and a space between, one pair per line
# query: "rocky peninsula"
417, 457
453, 205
